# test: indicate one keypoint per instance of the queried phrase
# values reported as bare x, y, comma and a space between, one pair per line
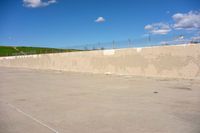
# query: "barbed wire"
137, 42
146, 41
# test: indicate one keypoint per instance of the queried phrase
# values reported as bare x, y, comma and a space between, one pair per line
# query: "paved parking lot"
37, 101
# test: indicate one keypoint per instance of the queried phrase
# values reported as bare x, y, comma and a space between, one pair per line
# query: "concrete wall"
181, 61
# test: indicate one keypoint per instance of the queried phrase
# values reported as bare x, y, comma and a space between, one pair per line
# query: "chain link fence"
146, 41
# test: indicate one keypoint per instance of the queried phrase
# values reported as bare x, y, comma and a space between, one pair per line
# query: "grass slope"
13, 51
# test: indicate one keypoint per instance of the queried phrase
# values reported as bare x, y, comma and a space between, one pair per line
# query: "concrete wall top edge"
138, 49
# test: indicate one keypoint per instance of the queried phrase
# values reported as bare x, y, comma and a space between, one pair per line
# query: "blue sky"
63, 23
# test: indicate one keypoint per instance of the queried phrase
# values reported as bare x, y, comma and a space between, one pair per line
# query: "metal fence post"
113, 44
129, 42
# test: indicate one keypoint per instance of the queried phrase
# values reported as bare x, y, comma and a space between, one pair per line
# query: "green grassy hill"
13, 51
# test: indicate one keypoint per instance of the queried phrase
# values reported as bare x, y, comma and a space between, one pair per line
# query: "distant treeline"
21, 50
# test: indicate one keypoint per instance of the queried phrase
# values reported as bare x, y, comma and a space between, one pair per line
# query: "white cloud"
196, 38
100, 20
37, 3
187, 21
158, 28
148, 27
175, 41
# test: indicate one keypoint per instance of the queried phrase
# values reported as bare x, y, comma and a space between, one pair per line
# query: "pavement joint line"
31, 117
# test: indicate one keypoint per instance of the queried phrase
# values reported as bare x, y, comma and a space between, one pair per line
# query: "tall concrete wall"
181, 61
